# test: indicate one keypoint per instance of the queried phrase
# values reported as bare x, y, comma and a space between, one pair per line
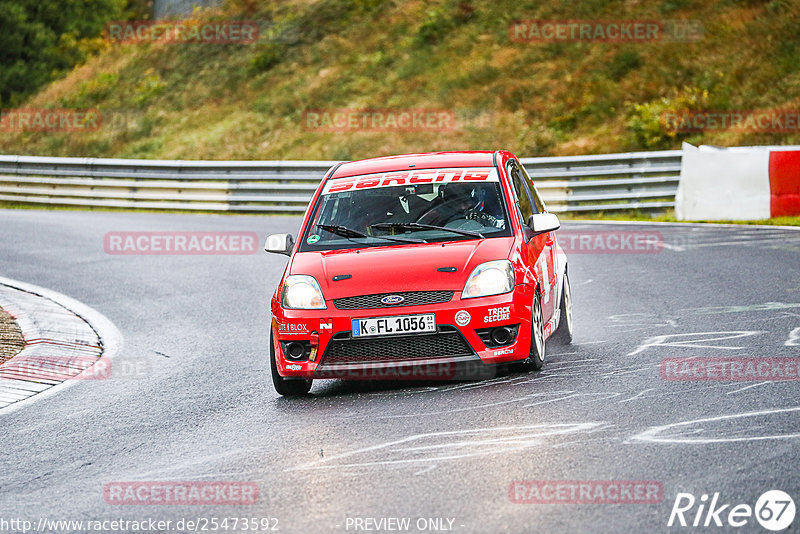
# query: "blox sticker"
293, 328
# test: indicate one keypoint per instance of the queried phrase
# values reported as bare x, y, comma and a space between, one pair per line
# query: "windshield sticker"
313, 238
404, 178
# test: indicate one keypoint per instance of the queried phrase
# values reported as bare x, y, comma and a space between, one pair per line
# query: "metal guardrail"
633, 180
637, 180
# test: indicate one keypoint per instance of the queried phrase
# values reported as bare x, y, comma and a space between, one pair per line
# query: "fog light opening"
295, 350
501, 335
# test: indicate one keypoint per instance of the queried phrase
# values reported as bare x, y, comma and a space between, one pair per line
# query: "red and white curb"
54, 326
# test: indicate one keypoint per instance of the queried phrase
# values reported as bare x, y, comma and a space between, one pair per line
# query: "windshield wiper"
418, 226
349, 233
342, 231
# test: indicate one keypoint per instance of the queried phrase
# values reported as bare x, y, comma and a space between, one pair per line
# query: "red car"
417, 265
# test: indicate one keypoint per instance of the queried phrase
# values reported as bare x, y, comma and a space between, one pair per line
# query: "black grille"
447, 343
412, 298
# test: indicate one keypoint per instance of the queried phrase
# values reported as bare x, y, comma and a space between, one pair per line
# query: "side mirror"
543, 222
279, 244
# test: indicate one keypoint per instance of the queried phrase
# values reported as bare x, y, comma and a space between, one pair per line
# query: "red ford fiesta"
416, 266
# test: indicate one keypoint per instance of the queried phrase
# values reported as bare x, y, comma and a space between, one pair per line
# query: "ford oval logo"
392, 299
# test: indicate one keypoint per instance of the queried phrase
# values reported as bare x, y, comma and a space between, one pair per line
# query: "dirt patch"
11, 341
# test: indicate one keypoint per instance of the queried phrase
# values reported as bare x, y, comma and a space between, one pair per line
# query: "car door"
552, 258
538, 249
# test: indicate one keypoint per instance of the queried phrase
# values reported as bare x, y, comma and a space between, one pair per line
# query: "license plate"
400, 324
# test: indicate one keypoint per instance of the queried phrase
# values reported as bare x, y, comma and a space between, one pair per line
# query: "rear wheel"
564, 333
535, 360
285, 386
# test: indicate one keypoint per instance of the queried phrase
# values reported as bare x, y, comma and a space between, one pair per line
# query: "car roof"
430, 160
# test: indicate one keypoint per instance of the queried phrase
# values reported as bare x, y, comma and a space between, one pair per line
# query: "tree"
42, 39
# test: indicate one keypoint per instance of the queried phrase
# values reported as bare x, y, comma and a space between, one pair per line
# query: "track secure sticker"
463, 318
497, 314
312, 239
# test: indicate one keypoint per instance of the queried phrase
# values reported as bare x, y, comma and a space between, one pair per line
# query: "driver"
461, 201
487, 209
451, 203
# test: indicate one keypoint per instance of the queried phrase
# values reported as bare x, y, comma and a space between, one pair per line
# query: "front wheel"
535, 360
286, 386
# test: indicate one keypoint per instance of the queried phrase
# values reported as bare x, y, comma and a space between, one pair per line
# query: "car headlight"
302, 292
490, 278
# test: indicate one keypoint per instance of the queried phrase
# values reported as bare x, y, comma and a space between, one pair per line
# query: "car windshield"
427, 205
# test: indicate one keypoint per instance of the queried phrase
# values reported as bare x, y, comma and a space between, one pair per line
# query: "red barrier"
784, 183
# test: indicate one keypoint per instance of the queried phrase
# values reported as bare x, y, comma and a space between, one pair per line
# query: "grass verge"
11, 341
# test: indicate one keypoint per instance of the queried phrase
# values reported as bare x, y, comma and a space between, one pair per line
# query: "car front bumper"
455, 351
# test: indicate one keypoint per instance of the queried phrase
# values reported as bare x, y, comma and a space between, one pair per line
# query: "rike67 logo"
774, 510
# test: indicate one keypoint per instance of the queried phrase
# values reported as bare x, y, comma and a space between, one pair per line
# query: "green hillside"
251, 101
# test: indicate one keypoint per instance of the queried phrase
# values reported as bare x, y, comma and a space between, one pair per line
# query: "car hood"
398, 268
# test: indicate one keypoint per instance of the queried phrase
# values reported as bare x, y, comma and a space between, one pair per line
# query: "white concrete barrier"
740, 183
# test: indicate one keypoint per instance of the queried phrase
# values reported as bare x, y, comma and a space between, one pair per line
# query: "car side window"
537, 198
524, 204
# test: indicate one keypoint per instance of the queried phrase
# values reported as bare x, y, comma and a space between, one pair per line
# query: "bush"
647, 125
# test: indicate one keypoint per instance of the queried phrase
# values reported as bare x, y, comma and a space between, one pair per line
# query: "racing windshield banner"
409, 178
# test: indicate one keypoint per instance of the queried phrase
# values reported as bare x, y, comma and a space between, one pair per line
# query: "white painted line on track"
659, 434
452, 445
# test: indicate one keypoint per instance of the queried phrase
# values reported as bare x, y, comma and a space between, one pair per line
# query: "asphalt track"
190, 399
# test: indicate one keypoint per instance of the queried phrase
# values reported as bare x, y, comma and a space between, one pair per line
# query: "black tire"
286, 386
564, 333
535, 360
